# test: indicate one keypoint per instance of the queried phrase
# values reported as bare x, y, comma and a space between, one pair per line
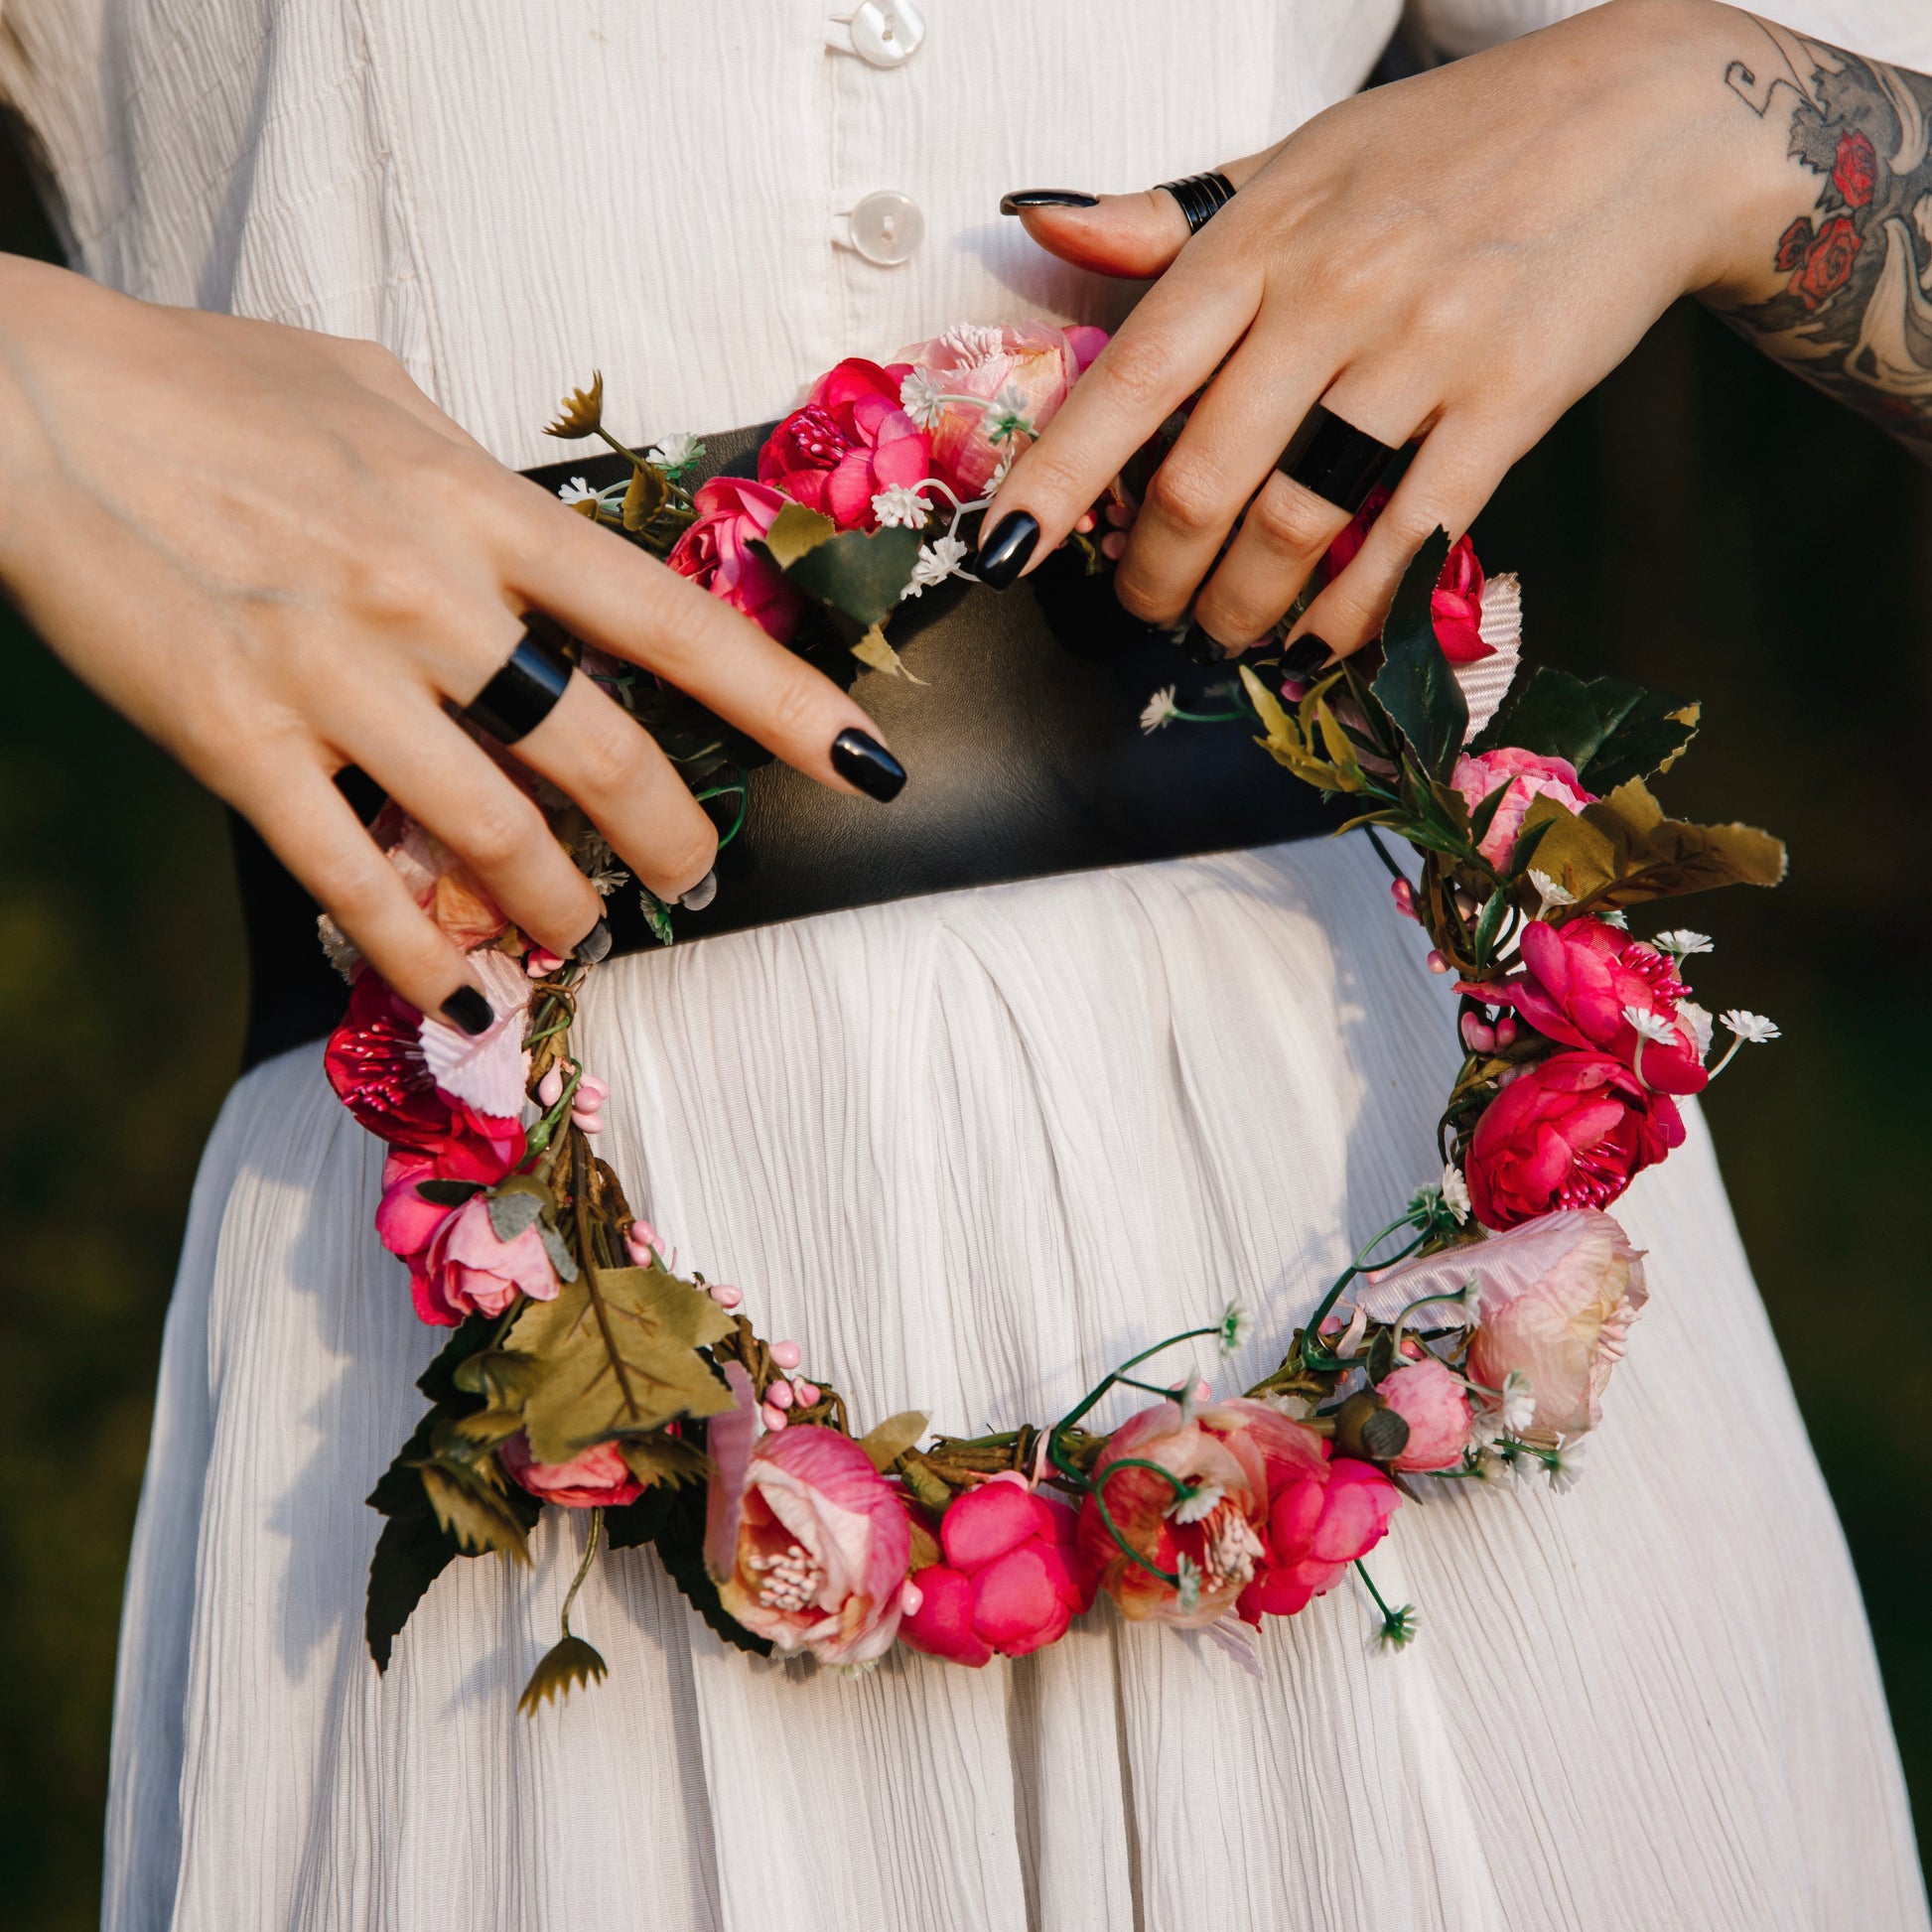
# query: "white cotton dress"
969, 1148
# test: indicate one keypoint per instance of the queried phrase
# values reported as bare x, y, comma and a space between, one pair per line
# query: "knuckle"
686, 857
609, 758
794, 712
1287, 517
1151, 603
1140, 368
499, 832
1188, 494
399, 588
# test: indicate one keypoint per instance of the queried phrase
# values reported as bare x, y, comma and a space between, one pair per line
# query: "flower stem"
1312, 1331
1114, 1375
584, 1567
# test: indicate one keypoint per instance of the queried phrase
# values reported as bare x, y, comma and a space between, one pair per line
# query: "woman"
969, 1145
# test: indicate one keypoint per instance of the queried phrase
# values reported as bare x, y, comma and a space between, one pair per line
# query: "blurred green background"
1702, 521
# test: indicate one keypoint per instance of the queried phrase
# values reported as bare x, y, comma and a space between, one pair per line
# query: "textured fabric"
971, 1150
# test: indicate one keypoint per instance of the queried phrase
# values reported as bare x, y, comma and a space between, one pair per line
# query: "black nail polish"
1306, 656
467, 1009
860, 759
1003, 555
594, 944
1045, 198
702, 894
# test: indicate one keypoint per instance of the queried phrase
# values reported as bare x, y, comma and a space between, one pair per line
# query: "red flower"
1855, 168
1316, 1527
1794, 245
598, 1478
1457, 603
715, 551
1828, 265
850, 441
1566, 1131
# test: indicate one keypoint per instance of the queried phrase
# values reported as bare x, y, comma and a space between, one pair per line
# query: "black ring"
525, 691
1201, 197
1334, 459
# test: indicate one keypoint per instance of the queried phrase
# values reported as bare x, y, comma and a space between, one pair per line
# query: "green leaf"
1485, 814
658, 915
646, 495
794, 531
448, 1193
568, 1662
478, 1514
662, 1458
1416, 685
1609, 729
888, 1441
672, 1521
856, 573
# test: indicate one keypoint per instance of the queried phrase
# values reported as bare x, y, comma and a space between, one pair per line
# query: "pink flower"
1011, 1580
1529, 776
1316, 1527
1578, 982
468, 1270
716, 552
1570, 1131
600, 1478
1456, 606
1034, 360
1234, 1456
818, 1543
1432, 1402
406, 1223
849, 442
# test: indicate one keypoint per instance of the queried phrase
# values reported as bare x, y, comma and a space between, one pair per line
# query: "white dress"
970, 1149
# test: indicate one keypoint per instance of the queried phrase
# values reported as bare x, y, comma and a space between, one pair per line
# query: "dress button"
887, 33
887, 227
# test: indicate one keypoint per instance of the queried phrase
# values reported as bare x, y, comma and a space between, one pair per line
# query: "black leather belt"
1025, 756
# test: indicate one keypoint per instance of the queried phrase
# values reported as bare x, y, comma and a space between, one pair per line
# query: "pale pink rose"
1036, 361
818, 1542
1529, 776
1241, 1450
600, 1478
1432, 1402
469, 1271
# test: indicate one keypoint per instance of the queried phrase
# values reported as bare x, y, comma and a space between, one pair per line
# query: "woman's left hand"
1451, 259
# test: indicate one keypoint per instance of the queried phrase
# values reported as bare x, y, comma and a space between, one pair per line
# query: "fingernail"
595, 946
1045, 198
702, 894
860, 759
1003, 555
1304, 656
467, 1009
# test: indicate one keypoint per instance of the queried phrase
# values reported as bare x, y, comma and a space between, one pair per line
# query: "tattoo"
1854, 315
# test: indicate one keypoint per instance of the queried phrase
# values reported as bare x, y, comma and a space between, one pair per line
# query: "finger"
310, 826
1451, 479
614, 596
1234, 436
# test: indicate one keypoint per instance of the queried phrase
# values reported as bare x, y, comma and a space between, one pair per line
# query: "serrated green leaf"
858, 573
1608, 729
568, 1662
796, 530
673, 1522
476, 1513
1416, 685
660, 1458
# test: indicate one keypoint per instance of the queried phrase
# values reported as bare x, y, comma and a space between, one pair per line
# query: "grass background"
1701, 521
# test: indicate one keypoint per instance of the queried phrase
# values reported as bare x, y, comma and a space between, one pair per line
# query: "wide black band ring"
1201, 198
525, 691
1334, 459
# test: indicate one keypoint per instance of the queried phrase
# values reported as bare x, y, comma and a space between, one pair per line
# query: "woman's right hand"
277, 557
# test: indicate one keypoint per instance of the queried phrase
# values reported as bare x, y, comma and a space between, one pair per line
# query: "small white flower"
937, 561
1518, 1407
1698, 1019
1550, 892
577, 491
1751, 1028
1000, 473
609, 879
1650, 1026
1203, 1503
1619, 919
1157, 709
1566, 1466
920, 397
1237, 1324
1456, 1194
1006, 415
1189, 1591
901, 508
1682, 942
677, 453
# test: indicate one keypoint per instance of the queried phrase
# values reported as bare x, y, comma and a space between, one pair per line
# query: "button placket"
882, 32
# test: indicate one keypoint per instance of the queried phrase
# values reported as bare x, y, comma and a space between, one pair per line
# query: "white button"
887, 33
887, 227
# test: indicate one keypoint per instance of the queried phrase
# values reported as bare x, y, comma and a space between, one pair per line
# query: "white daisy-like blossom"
1203, 1502
1006, 415
577, 491
1566, 1466
677, 452
921, 398
1518, 1407
609, 879
1549, 892
1157, 709
1616, 918
1237, 1324
1699, 1020
1649, 1026
901, 508
1682, 942
1456, 1194
936, 562
1751, 1028
1000, 469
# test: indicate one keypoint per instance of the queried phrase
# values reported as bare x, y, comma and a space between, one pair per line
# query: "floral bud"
1477, 1035
787, 1354
1367, 1428
1404, 895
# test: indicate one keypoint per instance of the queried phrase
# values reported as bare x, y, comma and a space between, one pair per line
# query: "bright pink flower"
406, 1223
716, 552
1570, 1131
1581, 978
468, 1270
1529, 776
1432, 1402
1036, 362
1316, 1527
818, 1543
849, 442
600, 1478
1236, 1453
1456, 606
1011, 1580
374, 1062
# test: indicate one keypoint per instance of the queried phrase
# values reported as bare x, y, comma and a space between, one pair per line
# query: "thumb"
1135, 236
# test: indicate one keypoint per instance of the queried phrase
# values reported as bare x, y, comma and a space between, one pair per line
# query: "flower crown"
1468, 1339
